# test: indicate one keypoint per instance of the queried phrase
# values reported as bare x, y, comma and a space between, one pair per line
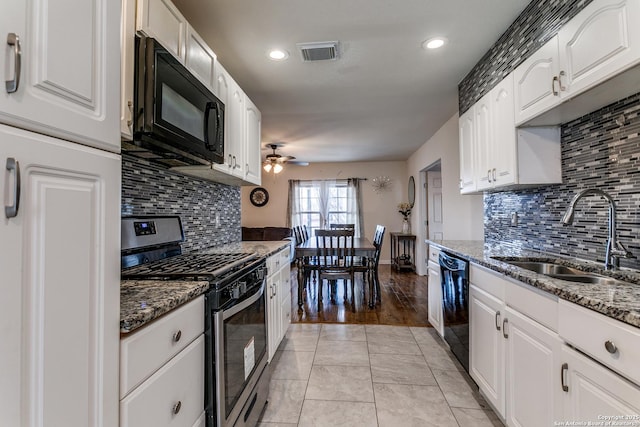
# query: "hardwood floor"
403, 302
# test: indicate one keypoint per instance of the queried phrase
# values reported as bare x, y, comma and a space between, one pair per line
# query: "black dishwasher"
454, 277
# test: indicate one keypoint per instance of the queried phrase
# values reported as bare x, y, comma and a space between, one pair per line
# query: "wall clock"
259, 196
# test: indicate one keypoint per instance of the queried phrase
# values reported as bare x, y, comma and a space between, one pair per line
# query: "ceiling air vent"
318, 51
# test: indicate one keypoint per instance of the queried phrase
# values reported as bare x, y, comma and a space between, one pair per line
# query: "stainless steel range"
235, 320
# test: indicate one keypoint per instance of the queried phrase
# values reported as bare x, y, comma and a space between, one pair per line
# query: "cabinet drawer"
145, 351
590, 332
534, 303
434, 253
173, 396
487, 280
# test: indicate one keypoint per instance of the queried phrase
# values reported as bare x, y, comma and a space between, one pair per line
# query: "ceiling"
382, 99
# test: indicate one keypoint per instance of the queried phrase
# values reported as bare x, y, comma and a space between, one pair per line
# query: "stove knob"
235, 291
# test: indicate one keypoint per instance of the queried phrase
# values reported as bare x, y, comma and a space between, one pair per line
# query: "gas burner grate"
194, 264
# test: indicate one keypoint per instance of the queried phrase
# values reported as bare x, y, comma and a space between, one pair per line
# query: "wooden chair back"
335, 251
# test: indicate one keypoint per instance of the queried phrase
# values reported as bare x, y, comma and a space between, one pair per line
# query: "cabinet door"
594, 391
435, 298
503, 142
486, 358
127, 47
483, 142
273, 316
466, 126
536, 88
161, 20
200, 59
237, 122
70, 66
222, 89
60, 307
253, 117
602, 40
533, 363
285, 301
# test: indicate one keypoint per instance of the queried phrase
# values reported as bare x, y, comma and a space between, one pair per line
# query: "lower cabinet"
434, 298
162, 376
514, 359
278, 295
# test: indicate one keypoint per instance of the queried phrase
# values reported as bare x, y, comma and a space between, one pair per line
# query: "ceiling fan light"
277, 168
267, 167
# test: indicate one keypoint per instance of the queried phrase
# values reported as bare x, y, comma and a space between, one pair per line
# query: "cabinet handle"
177, 336
177, 407
611, 347
498, 321
235, 162
12, 210
130, 120
12, 85
504, 328
493, 172
553, 85
562, 88
563, 370
489, 175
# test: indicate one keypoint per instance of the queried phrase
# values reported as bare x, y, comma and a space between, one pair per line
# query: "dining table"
362, 248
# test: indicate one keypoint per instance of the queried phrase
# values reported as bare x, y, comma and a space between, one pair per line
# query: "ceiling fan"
274, 161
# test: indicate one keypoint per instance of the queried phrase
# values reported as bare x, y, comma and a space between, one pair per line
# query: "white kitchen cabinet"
536, 87
514, 358
162, 20
599, 42
253, 137
200, 59
172, 396
60, 263
501, 155
467, 135
434, 296
68, 70
162, 366
594, 50
278, 294
127, 68
533, 389
592, 391
486, 346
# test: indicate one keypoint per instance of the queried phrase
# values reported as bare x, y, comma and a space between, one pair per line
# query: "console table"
403, 251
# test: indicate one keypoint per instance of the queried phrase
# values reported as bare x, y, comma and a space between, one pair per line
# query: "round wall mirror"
411, 191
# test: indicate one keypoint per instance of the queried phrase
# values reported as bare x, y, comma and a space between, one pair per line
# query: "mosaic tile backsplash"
150, 189
537, 23
600, 150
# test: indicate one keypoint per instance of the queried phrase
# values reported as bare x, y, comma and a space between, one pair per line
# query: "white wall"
377, 208
462, 214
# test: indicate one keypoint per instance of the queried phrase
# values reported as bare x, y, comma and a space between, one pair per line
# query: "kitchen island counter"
618, 301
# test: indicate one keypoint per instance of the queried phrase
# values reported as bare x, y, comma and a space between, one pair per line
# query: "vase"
406, 227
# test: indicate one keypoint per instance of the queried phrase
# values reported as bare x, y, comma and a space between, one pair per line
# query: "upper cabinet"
597, 49
63, 90
494, 154
161, 20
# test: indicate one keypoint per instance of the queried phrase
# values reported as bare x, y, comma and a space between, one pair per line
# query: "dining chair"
334, 258
361, 264
297, 231
305, 232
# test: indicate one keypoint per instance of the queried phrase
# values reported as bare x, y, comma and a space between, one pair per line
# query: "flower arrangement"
405, 209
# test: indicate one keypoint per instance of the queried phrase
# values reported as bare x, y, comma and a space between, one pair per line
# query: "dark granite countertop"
619, 301
142, 301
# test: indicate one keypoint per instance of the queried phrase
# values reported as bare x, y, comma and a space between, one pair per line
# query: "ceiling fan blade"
298, 163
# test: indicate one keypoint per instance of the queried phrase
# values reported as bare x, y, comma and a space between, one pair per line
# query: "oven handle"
244, 304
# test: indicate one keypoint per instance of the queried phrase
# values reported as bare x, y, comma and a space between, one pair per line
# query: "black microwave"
176, 119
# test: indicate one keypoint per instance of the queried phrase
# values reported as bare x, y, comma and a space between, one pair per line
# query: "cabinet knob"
177, 336
611, 347
177, 407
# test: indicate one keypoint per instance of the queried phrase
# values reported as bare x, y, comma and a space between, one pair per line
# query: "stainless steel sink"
587, 278
545, 267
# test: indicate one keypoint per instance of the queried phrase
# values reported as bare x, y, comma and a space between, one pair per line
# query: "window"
317, 204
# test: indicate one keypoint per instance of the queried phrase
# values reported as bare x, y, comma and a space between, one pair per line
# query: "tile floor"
370, 375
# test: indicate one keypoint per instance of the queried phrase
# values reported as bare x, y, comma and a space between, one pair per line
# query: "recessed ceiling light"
278, 54
434, 43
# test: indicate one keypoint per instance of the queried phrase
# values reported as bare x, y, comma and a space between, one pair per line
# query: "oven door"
240, 337
175, 113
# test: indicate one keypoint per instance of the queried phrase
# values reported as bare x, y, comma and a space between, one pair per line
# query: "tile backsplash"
600, 150
150, 189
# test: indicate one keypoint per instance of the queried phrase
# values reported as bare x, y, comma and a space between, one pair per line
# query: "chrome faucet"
615, 250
